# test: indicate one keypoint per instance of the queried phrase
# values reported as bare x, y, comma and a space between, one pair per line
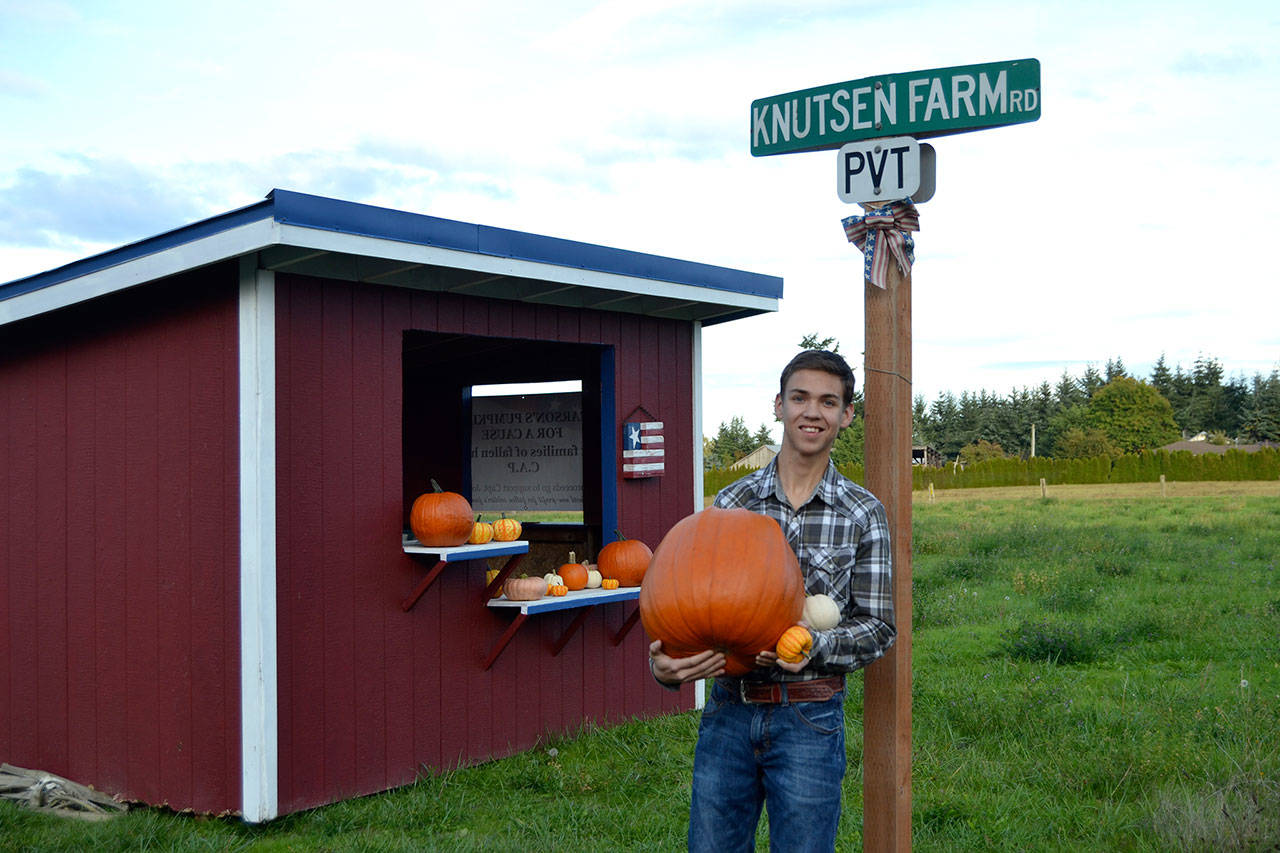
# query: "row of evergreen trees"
1106, 412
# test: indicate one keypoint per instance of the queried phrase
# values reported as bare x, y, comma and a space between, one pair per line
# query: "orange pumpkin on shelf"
795, 644
722, 579
573, 574
559, 589
441, 519
626, 559
481, 533
506, 529
609, 583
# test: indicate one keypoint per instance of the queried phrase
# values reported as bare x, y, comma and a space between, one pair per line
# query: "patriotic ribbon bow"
890, 225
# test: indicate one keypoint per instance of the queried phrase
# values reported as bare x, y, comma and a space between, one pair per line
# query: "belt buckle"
768, 700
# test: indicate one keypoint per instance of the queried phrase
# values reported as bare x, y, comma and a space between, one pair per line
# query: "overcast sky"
1136, 217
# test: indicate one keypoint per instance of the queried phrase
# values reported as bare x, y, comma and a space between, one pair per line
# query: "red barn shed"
209, 444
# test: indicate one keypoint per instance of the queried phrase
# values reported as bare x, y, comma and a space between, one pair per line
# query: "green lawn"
1089, 675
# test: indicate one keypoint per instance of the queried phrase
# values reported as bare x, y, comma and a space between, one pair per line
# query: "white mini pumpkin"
821, 612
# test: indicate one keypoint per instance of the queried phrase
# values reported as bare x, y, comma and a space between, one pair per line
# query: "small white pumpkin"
553, 579
593, 579
821, 612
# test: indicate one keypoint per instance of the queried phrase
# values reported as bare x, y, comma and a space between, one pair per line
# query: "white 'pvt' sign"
884, 170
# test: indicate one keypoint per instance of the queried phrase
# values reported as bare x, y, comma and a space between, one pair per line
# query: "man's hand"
671, 670
769, 657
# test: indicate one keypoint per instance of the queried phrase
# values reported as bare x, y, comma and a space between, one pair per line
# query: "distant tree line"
1103, 413
1106, 412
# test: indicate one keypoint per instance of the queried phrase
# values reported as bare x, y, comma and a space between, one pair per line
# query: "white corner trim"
700, 687
259, 747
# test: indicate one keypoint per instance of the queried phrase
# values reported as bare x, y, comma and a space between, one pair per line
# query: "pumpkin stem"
573, 558
436, 485
478, 517
621, 538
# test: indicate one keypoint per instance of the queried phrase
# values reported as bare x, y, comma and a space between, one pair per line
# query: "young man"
776, 735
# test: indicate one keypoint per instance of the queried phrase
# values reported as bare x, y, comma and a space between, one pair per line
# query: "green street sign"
921, 104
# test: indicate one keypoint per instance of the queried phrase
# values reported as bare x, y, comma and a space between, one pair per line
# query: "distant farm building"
757, 458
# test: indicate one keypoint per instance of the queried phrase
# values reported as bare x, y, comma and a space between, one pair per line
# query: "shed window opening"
519, 427
526, 451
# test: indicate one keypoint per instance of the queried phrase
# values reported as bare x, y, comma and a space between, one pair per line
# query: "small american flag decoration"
642, 450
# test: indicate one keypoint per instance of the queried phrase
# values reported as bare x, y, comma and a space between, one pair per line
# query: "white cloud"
1130, 220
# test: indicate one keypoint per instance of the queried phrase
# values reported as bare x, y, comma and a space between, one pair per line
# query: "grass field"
1089, 675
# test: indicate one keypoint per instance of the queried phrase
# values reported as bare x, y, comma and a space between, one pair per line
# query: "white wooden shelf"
576, 598
582, 600
457, 554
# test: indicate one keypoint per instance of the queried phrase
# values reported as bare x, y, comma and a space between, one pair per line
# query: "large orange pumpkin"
626, 560
441, 519
722, 579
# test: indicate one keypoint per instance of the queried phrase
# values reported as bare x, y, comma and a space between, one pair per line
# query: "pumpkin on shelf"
609, 583
594, 579
722, 579
506, 529
524, 588
795, 644
481, 532
441, 519
625, 559
573, 574
559, 589
552, 579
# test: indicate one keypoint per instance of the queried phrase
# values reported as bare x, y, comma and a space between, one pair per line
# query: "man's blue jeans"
791, 755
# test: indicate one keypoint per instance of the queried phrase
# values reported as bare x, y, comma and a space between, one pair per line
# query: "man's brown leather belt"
773, 692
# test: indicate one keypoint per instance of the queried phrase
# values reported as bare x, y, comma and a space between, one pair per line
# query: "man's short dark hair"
824, 360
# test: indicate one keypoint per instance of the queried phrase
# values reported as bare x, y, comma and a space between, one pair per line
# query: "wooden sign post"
886, 737
890, 112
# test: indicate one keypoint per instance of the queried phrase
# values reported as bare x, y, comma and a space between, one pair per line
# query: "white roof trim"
232, 243
356, 244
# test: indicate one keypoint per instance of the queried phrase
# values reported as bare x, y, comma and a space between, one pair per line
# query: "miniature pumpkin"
506, 529
559, 589
821, 612
488, 579
626, 559
524, 589
795, 644
722, 579
573, 574
609, 583
594, 579
481, 533
441, 519
552, 579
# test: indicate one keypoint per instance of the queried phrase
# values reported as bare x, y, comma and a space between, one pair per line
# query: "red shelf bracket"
627, 625
422, 587
570, 631
495, 585
505, 638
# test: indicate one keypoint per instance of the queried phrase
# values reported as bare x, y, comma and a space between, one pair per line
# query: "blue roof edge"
132, 251
293, 208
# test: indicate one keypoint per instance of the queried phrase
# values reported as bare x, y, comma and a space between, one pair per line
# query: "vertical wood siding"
118, 543
368, 693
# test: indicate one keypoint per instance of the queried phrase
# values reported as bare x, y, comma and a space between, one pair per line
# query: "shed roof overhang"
313, 235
